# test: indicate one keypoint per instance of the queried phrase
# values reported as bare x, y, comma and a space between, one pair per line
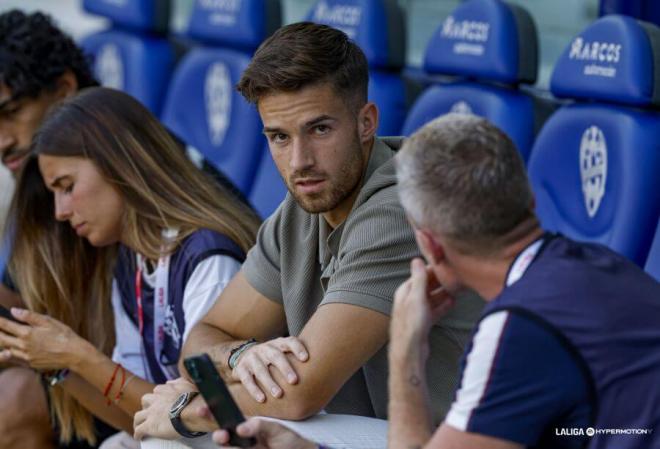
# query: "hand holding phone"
6, 314
214, 391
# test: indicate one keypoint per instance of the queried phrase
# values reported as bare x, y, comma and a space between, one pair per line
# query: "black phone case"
214, 391
5, 313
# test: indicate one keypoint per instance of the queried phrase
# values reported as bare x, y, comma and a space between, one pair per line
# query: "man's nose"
301, 156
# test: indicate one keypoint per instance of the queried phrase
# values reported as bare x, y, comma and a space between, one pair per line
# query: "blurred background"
557, 21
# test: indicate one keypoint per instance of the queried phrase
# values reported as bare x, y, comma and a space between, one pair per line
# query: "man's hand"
252, 366
418, 304
154, 421
269, 435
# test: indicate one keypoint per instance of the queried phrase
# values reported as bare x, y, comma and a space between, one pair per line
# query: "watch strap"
177, 423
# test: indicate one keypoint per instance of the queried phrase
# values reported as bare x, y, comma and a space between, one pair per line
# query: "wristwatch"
175, 415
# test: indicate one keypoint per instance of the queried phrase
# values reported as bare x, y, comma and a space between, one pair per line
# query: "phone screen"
214, 391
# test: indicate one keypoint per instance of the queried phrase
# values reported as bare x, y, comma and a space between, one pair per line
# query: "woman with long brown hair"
120, 246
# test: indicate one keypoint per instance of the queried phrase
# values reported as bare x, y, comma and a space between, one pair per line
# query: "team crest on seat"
110, 68
217, 93
593, 168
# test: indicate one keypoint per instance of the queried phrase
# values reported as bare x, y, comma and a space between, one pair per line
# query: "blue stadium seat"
377, 26
653, 261
133, 55
268, 189
633, 8
202, 105
594, 166
651, 11
490, 47
647, 10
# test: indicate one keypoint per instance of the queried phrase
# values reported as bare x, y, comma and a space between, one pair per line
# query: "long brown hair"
62, 275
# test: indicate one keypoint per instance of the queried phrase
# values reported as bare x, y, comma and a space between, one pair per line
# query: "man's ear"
367, 122
66, 85
430, 246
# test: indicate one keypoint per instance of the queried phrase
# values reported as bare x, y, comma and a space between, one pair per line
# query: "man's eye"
68, 189
278, 138
321, 129
10, 112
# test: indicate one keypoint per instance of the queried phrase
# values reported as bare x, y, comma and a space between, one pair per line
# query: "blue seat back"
378, 28
647, 10
651, 12
633, 8
268, 189
490, 47
202, 105
133, 55
653, 261
595, 162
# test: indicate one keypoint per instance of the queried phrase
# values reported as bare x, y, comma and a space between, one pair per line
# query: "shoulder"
512, 334
515, 371
379, 216
380, 188
204, 243
125, 265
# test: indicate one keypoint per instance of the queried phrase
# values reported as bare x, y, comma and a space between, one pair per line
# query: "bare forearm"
298, 402
205, 338
97, 370
92, 399
409, 411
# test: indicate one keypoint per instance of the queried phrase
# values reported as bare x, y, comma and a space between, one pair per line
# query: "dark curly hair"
34, 53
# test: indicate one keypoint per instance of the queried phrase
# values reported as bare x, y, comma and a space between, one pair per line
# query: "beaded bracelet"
237, 351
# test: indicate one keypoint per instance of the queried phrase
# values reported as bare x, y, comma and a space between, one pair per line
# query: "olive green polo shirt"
300, 262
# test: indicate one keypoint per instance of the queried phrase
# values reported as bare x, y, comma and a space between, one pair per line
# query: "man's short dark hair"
304, 54
34, 53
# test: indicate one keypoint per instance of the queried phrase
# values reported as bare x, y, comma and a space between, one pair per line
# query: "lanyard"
523, 262
161, 295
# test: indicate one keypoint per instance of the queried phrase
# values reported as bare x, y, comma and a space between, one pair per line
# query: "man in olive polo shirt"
326, 264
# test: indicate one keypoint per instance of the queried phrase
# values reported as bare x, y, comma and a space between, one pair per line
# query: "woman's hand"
42, 342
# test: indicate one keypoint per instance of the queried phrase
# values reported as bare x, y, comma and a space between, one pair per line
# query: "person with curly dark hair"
39, 65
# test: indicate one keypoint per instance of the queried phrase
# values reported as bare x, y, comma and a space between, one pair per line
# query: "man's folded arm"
340, 338
240, 313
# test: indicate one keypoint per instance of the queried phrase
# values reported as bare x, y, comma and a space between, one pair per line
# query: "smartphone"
214, 391
5, 313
